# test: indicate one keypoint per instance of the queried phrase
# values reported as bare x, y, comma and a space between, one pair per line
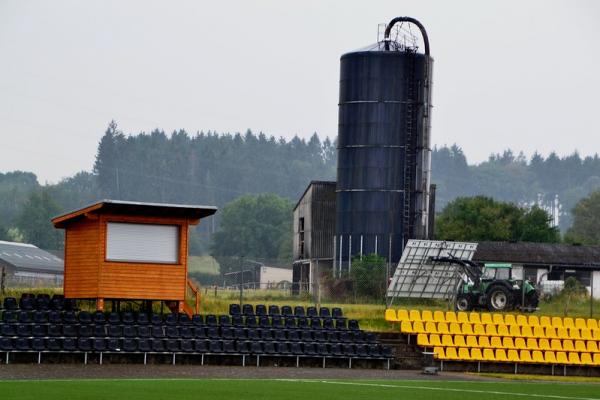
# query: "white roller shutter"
142, 243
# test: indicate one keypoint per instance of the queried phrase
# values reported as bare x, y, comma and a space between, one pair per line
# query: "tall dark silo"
384, 148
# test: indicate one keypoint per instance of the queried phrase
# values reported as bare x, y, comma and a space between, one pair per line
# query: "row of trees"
216, 169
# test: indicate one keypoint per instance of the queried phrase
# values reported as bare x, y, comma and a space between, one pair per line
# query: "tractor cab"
496, 271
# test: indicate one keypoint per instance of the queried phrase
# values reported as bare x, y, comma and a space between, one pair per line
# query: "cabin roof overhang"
193, 213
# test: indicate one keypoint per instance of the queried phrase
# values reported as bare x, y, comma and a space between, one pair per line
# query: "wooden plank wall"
81, 259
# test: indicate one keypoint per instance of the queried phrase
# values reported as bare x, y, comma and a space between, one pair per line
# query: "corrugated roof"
23, 256
538, 253
137, 208
324, 183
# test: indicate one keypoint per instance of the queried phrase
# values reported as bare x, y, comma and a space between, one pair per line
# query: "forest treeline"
214, 169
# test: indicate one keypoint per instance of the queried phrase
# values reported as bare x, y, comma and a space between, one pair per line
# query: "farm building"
24, 264
548, 264
122, 250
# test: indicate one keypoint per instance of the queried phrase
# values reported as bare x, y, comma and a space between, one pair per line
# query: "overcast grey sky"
518, 74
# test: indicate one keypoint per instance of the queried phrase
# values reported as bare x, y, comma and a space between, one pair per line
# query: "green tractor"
492, 287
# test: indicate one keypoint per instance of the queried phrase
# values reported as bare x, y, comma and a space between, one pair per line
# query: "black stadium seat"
293, 335
328, 323
362, 350
242, 347
69, 317
173, 345
40, 317
129, 345
269, 348
84, 344
212, 332
6, 344
349, 350
156, 319
53, 344
38, 344
22, 344
158, 345
130, 331
114, 318
57, 303
99, 317
226, 332
171, 319
296, 348
54, 330
264, 322
302, 323
324, 312
54, 317
290, 322
115, 330
280, 334
315, 323
39, 330
282, 348
224, 320
274, 310
234, 309
309, 349
85, 331
240, 334
99, 344
25, 318
184, 319
201, 346
10, 303
113, 344
144, 345
323, 349
99, 330
228, 346
197, 320
336, 312
237, 320
276, 322
24, 330
8, 330
128, 318
261, 310
340, 324
26, 303
248, 310
286, 311
256, 348
186, 332
215, 346
69, 344
251, 322
172, 332
142, 319
210, 320
353, 324
311, 312
299, 311
10, 317
85, 317
157, 331
144, 331
187, 345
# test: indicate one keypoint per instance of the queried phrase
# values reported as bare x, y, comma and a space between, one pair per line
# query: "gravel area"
128, 371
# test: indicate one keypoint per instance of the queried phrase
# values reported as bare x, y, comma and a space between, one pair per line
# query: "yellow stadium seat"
525, 356
514, 330
438, 316
496, 342
527, 331
466, 328
491, 330
501, 355
418, 327
474, 318
463, 354
513, 355
459, 341
532, 344
422, 340
498, 319
591, 346
567, 345
390, 315
574, 359
430, 327
402, 315
580, 346
550, 357
568, 322
537, 357
551, 332
486, 318
508, 343
434, 340
476, 354
556, 345
557, 322
538, 332
596, 358
574, 333
580, 323
563, 333
522, 320
488, 355
544, 344
472, 341
586, 359
509, 320
545, 321
586, 334
561, 358
462, 317
450, 316
533, 320
406, 327
484, 341
479, 329
414, 315
592, 323
503, 330
447, 341
439, 353
451, 353
520, 343
596, 334
426, 315
442, 328
455, 329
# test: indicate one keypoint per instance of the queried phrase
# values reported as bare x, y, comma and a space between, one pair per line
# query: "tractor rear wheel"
499, 298
464, 302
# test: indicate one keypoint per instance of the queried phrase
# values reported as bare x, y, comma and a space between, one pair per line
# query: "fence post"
2, 280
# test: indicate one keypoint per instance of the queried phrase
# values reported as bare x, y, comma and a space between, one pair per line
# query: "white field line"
442, 389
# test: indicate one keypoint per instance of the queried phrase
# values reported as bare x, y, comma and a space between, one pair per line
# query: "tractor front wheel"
464, 302
499, 299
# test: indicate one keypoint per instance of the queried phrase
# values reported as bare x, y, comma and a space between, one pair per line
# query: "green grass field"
291, 389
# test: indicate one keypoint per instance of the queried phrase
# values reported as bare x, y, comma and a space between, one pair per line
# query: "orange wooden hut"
122, 250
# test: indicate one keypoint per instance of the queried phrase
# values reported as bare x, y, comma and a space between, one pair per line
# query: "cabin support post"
99, 304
